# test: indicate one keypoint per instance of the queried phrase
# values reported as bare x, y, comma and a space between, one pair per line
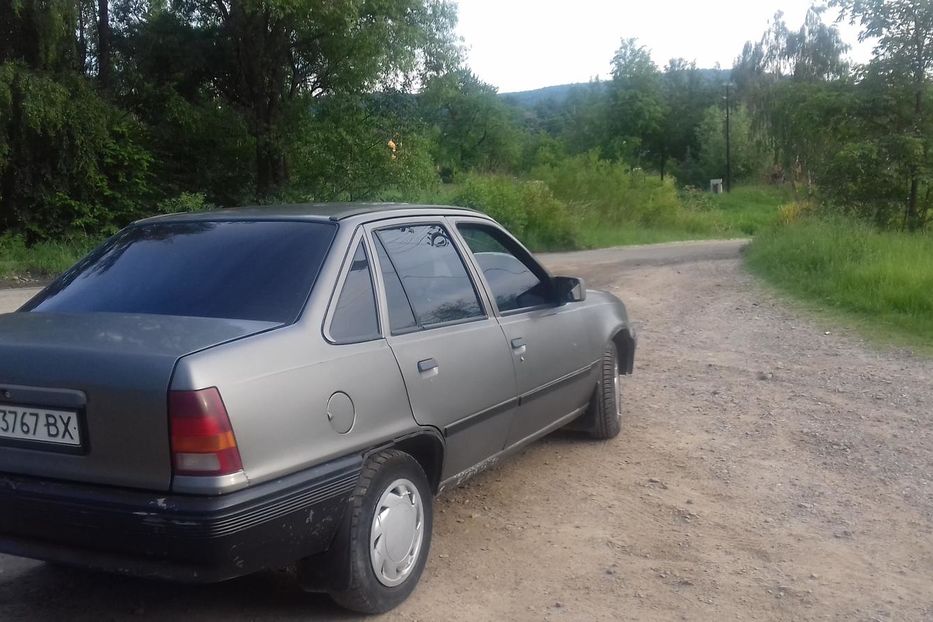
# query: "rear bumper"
176, 537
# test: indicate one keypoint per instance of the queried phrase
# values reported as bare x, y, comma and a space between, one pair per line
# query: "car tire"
393, 484
606, 421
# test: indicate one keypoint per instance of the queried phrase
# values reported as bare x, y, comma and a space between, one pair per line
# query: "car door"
551, 352
455, 362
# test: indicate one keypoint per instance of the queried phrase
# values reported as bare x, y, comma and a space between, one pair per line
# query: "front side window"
232, 269
513, 283
354, 317
431, 274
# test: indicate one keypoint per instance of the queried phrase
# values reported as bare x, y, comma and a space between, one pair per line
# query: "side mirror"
569, 289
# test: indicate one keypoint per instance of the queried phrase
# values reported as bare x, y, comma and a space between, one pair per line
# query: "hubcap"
397, 533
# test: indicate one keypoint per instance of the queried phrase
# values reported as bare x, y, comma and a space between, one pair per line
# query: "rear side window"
354, 317
401, 317
249, 270
431, 273
514, 284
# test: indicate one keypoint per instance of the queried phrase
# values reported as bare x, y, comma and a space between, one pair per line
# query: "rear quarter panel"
276, 386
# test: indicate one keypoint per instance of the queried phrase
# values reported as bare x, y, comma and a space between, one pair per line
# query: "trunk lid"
114, 371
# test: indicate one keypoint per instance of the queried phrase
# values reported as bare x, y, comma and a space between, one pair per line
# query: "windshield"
249, 270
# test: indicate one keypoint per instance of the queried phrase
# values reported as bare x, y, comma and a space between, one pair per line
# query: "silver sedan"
207, 395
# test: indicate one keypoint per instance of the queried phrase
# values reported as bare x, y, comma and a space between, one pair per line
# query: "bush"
184, 202
42, 260
697, 200
199, 148
348, 150
71, 162
794, 212
613, 193
527, 208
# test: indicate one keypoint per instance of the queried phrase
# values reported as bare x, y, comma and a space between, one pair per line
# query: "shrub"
184, 202
791, 213
697, 200
71, 162
348, 150
43, 259
612, 192
527, 208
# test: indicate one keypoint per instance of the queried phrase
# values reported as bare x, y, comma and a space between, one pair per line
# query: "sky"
518, 45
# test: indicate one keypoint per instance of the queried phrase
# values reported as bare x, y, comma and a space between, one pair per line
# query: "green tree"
274, 52
38, 33
201, 143
636, 106
748, 161
354, 149
687, 95
904, 60
784, 81
69, 161
584, 123
474, 128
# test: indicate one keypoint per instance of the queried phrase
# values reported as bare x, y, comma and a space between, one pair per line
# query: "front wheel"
391, 517
605, 411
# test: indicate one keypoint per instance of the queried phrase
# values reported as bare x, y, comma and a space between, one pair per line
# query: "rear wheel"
389, 533
605, 409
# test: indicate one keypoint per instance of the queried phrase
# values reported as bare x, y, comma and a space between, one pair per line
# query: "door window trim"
345, 267
523, 254
440, 221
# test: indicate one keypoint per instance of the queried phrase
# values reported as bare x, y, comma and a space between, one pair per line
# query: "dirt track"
770, 468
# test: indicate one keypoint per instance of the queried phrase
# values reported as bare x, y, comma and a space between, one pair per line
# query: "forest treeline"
115, 109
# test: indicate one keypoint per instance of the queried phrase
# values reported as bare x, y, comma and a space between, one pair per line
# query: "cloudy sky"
525, 44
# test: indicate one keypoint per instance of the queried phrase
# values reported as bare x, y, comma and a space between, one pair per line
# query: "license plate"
40, 425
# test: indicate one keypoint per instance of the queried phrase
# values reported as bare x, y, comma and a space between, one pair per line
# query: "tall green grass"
748, 209
884, 280
43, 260
585, 202
697, 215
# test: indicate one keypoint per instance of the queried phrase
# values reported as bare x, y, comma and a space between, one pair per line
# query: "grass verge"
741, 213
882, 281
42, 261
748, 210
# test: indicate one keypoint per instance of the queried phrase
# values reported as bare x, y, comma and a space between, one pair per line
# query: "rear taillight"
202, 438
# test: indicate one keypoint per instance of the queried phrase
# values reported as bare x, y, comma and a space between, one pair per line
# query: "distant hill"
558, 93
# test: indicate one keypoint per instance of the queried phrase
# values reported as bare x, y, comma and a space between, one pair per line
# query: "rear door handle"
428, 367
518, 344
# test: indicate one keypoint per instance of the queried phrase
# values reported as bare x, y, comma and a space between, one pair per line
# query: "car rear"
98, 455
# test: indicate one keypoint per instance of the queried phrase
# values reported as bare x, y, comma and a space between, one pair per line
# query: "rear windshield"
245, 270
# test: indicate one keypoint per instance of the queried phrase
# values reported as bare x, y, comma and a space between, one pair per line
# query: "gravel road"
771, 467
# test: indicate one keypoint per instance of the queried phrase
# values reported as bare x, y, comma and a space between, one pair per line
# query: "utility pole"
728, 141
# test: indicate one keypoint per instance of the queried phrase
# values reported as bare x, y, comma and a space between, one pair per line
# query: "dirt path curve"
767, 470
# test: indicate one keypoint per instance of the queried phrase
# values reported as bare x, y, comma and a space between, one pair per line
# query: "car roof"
318, 211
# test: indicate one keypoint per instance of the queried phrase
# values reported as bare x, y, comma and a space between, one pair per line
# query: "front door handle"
428, 367
518, 344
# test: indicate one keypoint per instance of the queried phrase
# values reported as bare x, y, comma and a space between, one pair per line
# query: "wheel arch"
608, 319
427, 447
328, 570
625, 341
